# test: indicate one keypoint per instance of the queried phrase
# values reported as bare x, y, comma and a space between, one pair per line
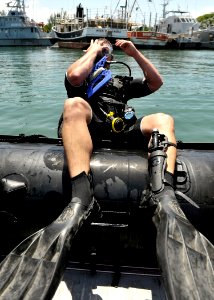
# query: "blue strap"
101, 79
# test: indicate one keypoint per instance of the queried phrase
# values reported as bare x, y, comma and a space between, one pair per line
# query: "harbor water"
32, 89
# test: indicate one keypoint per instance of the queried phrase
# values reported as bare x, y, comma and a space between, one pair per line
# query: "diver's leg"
78, 146
161, 159
77, 140
165, 124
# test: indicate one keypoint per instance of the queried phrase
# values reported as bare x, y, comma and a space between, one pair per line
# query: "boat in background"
141, 38
206, 37
148, 39
184, 31
16, 29
77, 29
179, 26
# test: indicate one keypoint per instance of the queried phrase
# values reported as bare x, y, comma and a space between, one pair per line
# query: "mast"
165, 3
131, 9
126, 14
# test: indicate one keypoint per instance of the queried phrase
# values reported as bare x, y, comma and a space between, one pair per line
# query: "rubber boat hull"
34, 188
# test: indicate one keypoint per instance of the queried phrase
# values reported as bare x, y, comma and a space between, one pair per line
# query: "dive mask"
107, 51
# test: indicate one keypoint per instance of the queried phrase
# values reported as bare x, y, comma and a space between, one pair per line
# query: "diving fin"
35, 267
185, 256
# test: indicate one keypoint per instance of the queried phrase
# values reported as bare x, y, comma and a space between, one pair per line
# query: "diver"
97, 110
91, 116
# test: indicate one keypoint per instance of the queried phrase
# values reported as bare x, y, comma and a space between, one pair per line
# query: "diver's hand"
127, 46
97, 46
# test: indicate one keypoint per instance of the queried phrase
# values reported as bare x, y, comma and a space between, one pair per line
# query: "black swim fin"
33, 270
185, 256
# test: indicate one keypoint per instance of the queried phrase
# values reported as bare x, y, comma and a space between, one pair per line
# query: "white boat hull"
86, 34
148, 43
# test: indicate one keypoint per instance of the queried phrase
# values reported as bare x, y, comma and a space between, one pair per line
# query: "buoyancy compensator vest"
107, 96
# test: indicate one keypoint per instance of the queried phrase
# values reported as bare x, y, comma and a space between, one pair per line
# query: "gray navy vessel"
17, 29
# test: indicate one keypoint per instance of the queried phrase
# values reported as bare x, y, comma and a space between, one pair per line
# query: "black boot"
82, 203
82, 190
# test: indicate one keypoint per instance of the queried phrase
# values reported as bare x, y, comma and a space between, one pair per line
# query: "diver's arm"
79, 70
151, 74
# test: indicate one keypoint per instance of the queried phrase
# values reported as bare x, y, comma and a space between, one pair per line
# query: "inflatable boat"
117, 250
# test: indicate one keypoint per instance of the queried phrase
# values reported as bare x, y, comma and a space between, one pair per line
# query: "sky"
40, 10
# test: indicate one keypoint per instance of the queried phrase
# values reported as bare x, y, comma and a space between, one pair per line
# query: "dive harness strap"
172, 144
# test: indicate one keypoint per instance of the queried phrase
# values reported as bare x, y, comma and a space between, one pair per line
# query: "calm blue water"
32, 89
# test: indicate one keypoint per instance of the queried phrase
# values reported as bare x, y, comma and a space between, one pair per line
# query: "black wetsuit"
113, 96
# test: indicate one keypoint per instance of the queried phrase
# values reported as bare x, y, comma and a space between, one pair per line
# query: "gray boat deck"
81, 284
